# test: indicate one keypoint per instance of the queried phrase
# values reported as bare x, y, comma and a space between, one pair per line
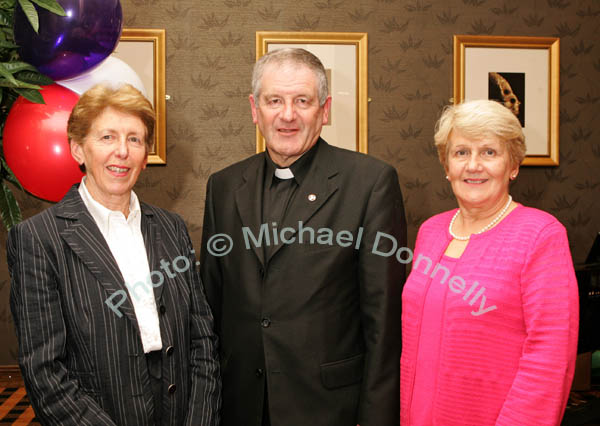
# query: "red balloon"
36, 146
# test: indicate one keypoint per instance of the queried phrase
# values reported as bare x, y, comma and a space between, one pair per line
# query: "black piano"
588, 280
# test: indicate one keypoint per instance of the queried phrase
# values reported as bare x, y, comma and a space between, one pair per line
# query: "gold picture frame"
351, 99
144, 51
531, 64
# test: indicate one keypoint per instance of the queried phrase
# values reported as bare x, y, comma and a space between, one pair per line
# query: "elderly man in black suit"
299, 267
111, 319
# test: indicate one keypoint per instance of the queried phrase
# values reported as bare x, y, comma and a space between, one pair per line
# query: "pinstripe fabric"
83, 364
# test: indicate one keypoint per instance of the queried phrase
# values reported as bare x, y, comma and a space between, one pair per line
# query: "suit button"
162, 309
169, 351
259, 372
261, 271
266, 322
172, 388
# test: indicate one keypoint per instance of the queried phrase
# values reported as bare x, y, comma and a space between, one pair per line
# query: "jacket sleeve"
35, 303
205, 392
381, 277
210, 268
550, 300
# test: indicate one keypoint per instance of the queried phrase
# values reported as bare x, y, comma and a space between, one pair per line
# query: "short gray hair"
295, 56
478, 119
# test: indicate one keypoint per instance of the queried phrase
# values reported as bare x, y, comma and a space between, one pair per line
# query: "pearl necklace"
485, 228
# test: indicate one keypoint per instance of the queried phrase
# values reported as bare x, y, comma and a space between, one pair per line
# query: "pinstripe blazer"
83, 364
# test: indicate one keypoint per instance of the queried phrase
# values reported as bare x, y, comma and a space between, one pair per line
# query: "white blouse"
125, 240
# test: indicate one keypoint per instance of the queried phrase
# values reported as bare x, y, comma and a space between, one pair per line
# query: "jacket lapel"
82, 235
318, 186
154, 246
249, 199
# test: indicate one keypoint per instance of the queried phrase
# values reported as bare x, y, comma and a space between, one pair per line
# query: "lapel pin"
312, 197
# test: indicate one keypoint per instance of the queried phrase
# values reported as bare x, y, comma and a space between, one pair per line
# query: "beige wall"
210, 52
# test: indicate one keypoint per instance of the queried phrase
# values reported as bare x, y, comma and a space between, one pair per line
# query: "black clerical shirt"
279, 193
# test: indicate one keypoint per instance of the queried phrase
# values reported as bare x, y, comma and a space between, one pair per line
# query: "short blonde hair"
93, 102
479, 119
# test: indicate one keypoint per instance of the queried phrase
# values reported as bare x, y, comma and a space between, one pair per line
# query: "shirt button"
172, 388
169, 351
259, 372
266, 322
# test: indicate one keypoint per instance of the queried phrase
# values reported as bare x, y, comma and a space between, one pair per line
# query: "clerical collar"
297, 170
284, 173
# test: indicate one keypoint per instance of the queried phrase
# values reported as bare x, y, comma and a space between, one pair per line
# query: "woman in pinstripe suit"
110, 313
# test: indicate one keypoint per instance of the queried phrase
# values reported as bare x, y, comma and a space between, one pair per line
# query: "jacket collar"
81, 233
315, 189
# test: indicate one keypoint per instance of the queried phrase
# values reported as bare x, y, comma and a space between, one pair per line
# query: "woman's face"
114, 154
479, 171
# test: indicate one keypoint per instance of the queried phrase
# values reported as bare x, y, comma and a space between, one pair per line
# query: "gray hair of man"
293, 56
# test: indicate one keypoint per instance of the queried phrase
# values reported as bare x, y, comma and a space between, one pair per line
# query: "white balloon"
112, 71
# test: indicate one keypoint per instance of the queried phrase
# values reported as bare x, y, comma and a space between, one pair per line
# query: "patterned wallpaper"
210, 52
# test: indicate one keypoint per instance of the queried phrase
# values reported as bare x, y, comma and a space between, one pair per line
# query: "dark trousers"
154, 361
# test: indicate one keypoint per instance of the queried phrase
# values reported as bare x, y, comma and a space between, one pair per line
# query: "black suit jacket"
319, 322
82, 363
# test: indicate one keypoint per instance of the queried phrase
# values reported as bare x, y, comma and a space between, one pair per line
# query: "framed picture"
520, 72
344, 56
144, 51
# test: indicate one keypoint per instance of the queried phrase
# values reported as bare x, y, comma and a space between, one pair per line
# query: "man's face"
288, 112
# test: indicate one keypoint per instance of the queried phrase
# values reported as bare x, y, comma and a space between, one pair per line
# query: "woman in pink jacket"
490, 309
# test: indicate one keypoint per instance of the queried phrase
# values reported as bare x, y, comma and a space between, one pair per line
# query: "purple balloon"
67, 46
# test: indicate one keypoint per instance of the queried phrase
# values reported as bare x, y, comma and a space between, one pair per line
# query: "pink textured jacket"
509, 337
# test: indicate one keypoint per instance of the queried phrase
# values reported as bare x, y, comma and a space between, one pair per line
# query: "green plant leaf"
7, 45
7, 4
9, 208
18, 85
7, 74
5, 19
16, 66
52, 6
9, 175
34, 78
31, 95
30, 13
